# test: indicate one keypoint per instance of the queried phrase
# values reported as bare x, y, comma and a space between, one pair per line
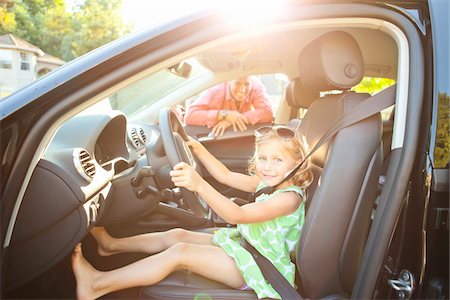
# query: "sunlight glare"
251, 12
143, 13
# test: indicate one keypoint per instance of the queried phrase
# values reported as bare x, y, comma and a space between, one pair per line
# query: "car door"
416, 263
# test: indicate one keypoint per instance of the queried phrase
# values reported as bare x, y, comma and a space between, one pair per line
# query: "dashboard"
82, 180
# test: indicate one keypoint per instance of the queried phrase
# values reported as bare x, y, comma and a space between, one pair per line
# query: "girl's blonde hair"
298, 148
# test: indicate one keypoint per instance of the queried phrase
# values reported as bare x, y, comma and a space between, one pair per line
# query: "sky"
142, 13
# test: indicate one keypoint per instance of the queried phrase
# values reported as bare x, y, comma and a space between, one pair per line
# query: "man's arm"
204, 110
262, 108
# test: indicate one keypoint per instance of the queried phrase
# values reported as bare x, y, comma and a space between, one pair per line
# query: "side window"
373, 85
5, 59
370, 85
24, 61
274, 84
442, 149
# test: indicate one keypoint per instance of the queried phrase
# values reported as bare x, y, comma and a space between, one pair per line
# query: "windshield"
143, 93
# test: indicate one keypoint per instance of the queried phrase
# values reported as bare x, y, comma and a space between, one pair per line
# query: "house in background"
21, 63
47, 63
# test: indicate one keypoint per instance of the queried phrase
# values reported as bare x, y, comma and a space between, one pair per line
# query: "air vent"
142, 136
134, 138
84, 163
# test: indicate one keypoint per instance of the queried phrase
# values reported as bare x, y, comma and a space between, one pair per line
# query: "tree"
40, 22
7, 18
373, 85
50, 26
442, 147
95, 23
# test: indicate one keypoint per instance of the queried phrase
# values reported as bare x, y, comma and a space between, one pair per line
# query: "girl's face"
274, 162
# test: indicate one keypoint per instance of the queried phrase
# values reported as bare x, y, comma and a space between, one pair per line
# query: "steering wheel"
174, 139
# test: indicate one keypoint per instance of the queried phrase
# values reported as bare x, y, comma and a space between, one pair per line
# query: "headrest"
298, 96
331, 62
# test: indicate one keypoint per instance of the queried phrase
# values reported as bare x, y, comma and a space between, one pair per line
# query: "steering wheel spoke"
174, 139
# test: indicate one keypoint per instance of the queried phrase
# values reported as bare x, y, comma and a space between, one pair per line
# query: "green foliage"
50, 26
442, 149
95, 23
373, 85
7, 19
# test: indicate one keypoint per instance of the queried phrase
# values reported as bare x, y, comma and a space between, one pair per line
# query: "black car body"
47, 207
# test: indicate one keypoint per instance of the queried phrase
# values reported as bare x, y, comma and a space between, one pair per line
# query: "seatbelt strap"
359, 112
271, 274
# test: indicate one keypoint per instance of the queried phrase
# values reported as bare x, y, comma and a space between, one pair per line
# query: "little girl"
272, 224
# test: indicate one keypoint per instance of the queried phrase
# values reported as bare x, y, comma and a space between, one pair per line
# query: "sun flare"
144, 13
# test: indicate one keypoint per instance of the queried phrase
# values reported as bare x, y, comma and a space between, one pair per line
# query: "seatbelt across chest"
359, 112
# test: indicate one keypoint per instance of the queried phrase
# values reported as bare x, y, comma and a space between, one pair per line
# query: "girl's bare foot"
105, 243
85, 276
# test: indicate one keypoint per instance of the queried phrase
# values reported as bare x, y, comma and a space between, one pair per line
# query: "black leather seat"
347, 169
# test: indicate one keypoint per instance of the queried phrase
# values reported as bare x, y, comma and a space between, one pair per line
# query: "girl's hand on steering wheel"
183, 175
195, 145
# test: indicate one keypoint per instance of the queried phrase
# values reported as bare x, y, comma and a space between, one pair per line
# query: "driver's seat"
338, 218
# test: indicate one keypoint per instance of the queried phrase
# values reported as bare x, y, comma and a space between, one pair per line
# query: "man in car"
235, 103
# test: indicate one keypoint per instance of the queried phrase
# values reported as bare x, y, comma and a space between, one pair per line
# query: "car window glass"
373, 85
274, 84
152, 88
370, 85
442, 150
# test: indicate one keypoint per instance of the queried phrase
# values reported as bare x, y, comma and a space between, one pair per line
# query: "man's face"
240, 88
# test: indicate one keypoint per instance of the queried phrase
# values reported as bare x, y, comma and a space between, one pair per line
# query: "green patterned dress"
274, 239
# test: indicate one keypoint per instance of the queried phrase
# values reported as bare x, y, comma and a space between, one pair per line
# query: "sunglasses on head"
281, 131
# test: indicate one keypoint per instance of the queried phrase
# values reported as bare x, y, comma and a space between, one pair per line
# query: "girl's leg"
209, 261
148, 242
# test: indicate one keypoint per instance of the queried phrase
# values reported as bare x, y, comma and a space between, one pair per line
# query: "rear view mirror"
182, 69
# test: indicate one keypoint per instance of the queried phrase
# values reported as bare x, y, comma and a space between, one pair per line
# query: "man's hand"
220, 127
238, 120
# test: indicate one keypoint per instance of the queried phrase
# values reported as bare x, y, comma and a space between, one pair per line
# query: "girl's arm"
281, 204
220, 172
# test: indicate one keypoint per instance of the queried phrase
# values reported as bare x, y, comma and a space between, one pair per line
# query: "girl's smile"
273, 162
